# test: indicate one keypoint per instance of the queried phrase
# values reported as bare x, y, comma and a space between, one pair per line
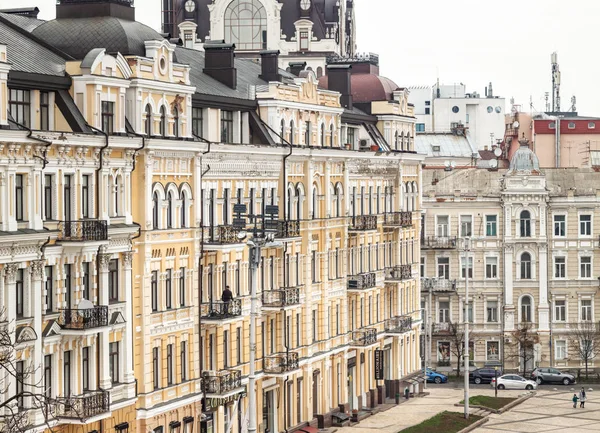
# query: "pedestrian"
575, 398
227, 297
582, 398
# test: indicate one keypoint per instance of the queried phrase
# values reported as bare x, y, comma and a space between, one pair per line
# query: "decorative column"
509, 308
105, 381
543, 308
10, 273
37, 278
128, 333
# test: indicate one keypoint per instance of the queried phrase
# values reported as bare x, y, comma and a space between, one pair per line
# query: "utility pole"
466, 314
430, 323
255, 252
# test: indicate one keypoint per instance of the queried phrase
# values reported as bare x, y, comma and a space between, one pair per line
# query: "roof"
579, 125
26, 23
524, 161
25, 54
367, 87
77, 36
450, 145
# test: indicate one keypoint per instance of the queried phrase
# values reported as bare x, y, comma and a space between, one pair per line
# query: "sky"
467, 41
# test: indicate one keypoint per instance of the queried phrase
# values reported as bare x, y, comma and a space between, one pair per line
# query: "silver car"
514, 381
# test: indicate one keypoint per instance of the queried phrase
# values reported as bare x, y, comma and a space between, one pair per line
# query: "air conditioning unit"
364, 144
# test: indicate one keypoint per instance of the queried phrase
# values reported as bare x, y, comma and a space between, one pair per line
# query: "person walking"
575, 398
227, 297
582, 398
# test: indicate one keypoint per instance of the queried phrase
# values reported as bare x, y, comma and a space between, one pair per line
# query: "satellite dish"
497, 152
453, 164
516, 124
493, 163
84, 304
447, 164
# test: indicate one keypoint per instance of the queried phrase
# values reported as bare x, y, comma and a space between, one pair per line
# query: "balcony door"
67, 198
269, 412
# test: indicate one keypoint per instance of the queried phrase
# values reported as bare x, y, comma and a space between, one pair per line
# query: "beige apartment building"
532, 262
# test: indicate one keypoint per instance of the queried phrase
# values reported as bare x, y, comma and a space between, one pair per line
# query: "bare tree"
456, 333
524, 341
587, 342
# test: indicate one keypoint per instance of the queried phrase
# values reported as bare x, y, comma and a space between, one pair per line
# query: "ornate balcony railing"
223, 235
283, 297
87, 318
398, 219
438, 285
280, 363
364, 222
439, 243
83, 230
442, 327
288, 229
83, 407
398, 325
364, 337
219, 310
398, 273
222, 382
367, 280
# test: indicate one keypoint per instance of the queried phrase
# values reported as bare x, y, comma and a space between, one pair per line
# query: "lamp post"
496, 382
466, 314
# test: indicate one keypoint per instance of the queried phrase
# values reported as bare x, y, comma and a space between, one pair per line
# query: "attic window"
552, 125
591, 125
571, 125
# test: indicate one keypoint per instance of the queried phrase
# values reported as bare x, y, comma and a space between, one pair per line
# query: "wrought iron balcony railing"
83, 407
283, 297
223, 235
398, 325
83, 230
439, 243
219, 310
280, 363
87, 318
364, 222
438, 285
288, 229
398, 219
222, 382
364, 337
367, 280
398, 273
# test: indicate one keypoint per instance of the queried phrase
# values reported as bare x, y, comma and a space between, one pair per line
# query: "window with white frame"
560, 222
560, 310
464, 264
526, 309
560, 267
525, 223
492, 311
585, 267
442, 226
585, 225
525, 266
491, 222
586, 310
560, 350
422, 266
491, 267
466, 225
443, 265
469, 309
444, 311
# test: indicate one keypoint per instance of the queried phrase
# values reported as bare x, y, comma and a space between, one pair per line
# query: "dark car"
484, 375
552, 375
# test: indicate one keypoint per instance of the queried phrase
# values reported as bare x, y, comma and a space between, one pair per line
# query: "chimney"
219, 62
269, 61
339, 80
297, 67
490, 91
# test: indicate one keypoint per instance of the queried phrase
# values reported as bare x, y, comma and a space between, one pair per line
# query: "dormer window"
19, 106
148, 120
108, 117
246, 25
304, 40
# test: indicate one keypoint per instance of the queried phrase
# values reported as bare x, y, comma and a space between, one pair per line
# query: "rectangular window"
464, 265
226, 348
491, 222
48, 376
314, 325
560, 266
492, 312
298, 330
85, 280
108, 117
19, 197
48, 202
198, 121
491, 267
19, 106
20, 379
561, 349
350, 137
444, 311
154, 290
85, 196
420, 127
585, 225
443, 265
85, 368
168, 291
585, 267
226, 126
67, 373
182, 287
155, 366
44, 111
427, 110
169, 364
238, 332
20, 298
113, 281
49, 289
560, 225
586, 310
303, 40
466, 225
560, 310
314, 266
442, 226
113, 351
184, 365
238, 285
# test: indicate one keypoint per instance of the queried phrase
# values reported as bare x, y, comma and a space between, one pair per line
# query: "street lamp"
466, 314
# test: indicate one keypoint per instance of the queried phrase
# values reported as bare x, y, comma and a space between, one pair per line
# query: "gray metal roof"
26, 23
457, 146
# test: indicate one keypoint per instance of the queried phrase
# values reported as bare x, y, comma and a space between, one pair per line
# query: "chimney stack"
339, 80
297, 67
219, 62
269, 62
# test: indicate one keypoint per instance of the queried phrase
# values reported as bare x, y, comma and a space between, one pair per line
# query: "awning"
309, 429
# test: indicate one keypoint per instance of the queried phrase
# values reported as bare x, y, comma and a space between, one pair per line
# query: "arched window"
299, 201
402, 140
339, 191
117, 208
307, 134
526, 308
155, 210
406, 192
332, 139
282, 131
525, 266
184, 209
415, 189
246, 25
396, 140
319, 72
525, 220
163, 122
290, 199
407, 141
333, 197
170, 210
323, 136
176, 122
148, 120
315, 202
292, 132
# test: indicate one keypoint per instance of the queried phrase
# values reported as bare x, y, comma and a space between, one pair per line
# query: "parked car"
484, 375
435, 377
513, 381
552, 375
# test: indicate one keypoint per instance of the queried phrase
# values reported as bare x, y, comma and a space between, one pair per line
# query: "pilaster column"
10, 273
543, 309
105, 381
128, 333
509, 320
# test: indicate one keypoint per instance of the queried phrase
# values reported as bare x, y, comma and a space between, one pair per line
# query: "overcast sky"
471, 41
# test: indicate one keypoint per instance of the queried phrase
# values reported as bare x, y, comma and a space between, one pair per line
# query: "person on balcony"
226, 297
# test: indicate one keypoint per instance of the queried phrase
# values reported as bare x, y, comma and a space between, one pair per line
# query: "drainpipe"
46, 143
100, 167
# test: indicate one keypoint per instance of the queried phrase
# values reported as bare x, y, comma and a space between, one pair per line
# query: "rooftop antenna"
573, 104
555, 83
546, 97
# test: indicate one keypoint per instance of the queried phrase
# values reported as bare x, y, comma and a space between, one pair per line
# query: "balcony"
222, 382
398, 219
363, 223
364, 337
398, 325
288, 229
219, 310
83, 231
280, 363
439, 243
441, 328
281, 298
83, 319
367, 280
222, 235
441, 285
398, 273
83, 407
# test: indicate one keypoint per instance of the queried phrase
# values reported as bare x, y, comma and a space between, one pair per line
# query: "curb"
475, 425
502, 409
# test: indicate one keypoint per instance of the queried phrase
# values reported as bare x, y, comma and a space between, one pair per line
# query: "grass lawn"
491, 402
445, 422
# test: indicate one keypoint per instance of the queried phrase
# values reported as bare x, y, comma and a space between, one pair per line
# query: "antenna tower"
574, 104
547, 96
555, 83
